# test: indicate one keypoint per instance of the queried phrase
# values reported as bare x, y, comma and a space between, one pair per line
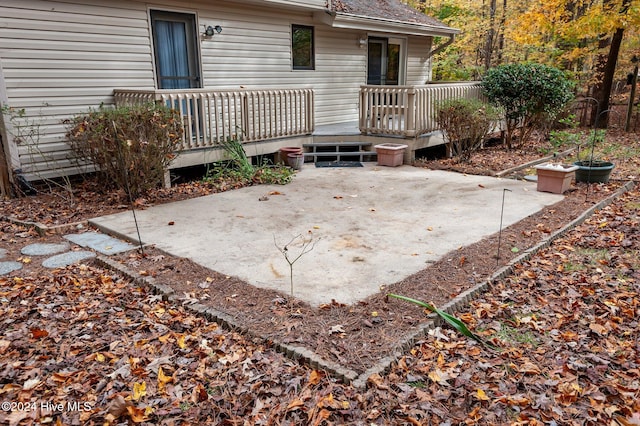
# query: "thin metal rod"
504, 190
128, 189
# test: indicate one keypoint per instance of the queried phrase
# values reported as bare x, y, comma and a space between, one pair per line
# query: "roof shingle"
385, 9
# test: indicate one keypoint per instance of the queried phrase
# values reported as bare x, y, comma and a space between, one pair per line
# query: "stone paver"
59, 255
102, 243
40, 249
66, 259
8, 267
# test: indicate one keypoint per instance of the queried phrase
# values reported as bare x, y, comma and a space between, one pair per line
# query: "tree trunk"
503, 20
606, 67
5, 177
488, 46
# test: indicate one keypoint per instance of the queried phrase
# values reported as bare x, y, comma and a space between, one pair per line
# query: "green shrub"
465, 123
530, 95
239, 171
130, 146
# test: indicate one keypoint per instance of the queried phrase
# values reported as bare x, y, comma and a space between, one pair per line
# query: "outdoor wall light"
362, 41
210, 31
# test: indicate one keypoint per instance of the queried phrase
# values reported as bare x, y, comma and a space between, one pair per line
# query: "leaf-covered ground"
82, 345
566, 325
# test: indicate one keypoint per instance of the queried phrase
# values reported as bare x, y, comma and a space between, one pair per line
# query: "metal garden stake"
504, 190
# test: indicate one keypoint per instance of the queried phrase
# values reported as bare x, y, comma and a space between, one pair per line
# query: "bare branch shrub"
465, 123
131, 146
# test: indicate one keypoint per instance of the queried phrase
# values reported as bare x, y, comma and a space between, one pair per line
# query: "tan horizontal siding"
88, 11
74, 57
61, 76
77, 46
60, 58
37, 65
418, 66
72, 103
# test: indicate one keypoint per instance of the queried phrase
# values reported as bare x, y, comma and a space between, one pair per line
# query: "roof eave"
365, 23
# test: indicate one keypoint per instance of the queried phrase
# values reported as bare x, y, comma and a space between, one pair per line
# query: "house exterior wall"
418, 62
62, 58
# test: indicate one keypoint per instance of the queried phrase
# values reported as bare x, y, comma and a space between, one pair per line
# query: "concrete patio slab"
371, 226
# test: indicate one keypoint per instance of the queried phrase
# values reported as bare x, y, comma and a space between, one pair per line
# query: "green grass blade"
450, 319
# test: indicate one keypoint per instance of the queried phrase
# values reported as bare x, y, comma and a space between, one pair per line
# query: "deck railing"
211, 117
408, 111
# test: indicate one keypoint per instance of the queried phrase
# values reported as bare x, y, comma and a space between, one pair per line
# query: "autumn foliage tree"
593, 40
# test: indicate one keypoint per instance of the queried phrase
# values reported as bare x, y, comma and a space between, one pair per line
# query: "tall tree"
606, 66
488, 46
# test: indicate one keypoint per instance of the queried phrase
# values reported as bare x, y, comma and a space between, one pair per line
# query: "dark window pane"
175, 48
302, 47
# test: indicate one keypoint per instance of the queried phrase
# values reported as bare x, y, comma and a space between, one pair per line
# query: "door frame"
386, 40
192, 38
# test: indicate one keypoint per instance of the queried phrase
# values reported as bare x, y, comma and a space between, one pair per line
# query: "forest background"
597, 42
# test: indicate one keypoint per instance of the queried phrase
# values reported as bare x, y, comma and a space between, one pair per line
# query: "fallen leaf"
315, 376
139, 390
180, 341
137, 415
336, 329
296, 404
377, 381
598, 329
38, 333
529, 368
30, 384
439, 377
481, 395
163, 379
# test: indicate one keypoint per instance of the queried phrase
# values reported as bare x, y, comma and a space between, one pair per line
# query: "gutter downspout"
442, 46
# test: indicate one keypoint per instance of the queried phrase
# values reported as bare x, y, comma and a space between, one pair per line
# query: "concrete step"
336, 144
338, 150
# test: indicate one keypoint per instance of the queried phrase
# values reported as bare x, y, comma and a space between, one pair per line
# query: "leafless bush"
131, 146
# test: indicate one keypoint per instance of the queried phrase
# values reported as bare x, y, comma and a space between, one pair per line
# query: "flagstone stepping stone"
8, 267
66, 259
102, 243
40, 249
3, 253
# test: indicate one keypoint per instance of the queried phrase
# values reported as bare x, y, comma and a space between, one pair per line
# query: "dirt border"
346, 375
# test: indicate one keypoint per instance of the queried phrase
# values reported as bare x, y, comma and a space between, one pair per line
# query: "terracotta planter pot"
295, 160
286, 150
555, 178
390, 154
